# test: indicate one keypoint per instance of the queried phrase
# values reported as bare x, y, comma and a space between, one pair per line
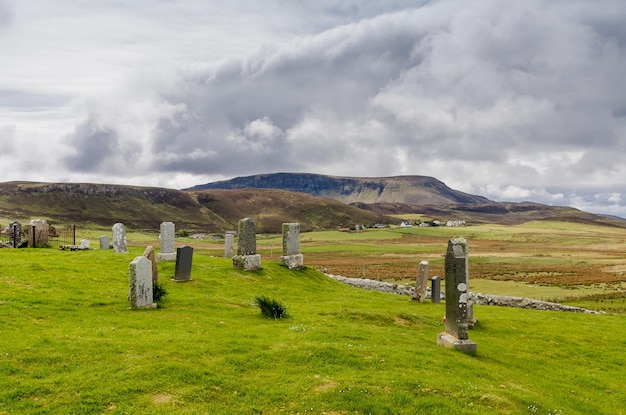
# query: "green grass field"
69, 344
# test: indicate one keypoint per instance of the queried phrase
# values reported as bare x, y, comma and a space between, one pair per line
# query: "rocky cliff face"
415, 190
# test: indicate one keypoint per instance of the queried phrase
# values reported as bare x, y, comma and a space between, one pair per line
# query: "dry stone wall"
478, 298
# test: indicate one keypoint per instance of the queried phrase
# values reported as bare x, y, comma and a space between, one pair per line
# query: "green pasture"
69, 344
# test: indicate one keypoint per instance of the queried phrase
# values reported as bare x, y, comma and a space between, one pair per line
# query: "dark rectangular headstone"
184, 256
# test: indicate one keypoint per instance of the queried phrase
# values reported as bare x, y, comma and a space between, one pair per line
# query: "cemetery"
83, 331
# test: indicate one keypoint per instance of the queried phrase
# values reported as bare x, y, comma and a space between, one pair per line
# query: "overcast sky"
511, 100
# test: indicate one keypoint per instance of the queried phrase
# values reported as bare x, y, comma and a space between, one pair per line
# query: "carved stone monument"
119, 238
140, 284
247, 258
291, 258
168, 235
104, 242
420, 283
457, 290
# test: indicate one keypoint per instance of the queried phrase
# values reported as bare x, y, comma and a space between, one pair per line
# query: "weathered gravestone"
38, 232
291, 258
247, 258
457, 290
168, 235
229, 243
119, 238
140, 284
149, 254
420, 283
15, 234
104, 242
435, 290
184, 257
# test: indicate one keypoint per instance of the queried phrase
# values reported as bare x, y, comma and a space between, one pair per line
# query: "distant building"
406, 224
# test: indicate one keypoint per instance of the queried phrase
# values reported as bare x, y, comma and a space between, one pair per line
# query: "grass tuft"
270, 308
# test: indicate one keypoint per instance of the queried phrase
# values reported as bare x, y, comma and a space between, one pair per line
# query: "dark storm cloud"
93, 145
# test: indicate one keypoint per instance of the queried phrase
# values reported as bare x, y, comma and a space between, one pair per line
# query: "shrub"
158, 292
270, 307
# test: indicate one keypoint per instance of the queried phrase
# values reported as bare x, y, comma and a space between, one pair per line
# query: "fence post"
74, 233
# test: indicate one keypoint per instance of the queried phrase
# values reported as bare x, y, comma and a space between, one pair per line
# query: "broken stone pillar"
291, 258
420, 283
457, 293
247, 258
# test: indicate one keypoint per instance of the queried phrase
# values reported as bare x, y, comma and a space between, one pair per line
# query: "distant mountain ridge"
412, 190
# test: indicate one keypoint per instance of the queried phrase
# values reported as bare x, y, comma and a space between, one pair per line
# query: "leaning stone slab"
149, 254
140, 284
420, 283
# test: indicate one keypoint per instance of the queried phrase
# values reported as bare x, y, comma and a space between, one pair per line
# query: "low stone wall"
477, 298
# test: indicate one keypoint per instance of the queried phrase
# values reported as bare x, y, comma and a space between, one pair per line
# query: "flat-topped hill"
413, 190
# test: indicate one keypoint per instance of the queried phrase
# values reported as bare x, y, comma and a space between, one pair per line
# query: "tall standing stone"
420, 283
247, 258
104, 242
184, 257
119, 238
149, 254
291, 258
457, 293
168, 235
140, 284
229, 243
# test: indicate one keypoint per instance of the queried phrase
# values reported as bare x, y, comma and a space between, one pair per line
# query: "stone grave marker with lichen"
247, 258
291, 258
457, 293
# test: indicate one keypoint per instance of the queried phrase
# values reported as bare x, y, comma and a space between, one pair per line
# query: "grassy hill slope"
70, 344
147, 207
